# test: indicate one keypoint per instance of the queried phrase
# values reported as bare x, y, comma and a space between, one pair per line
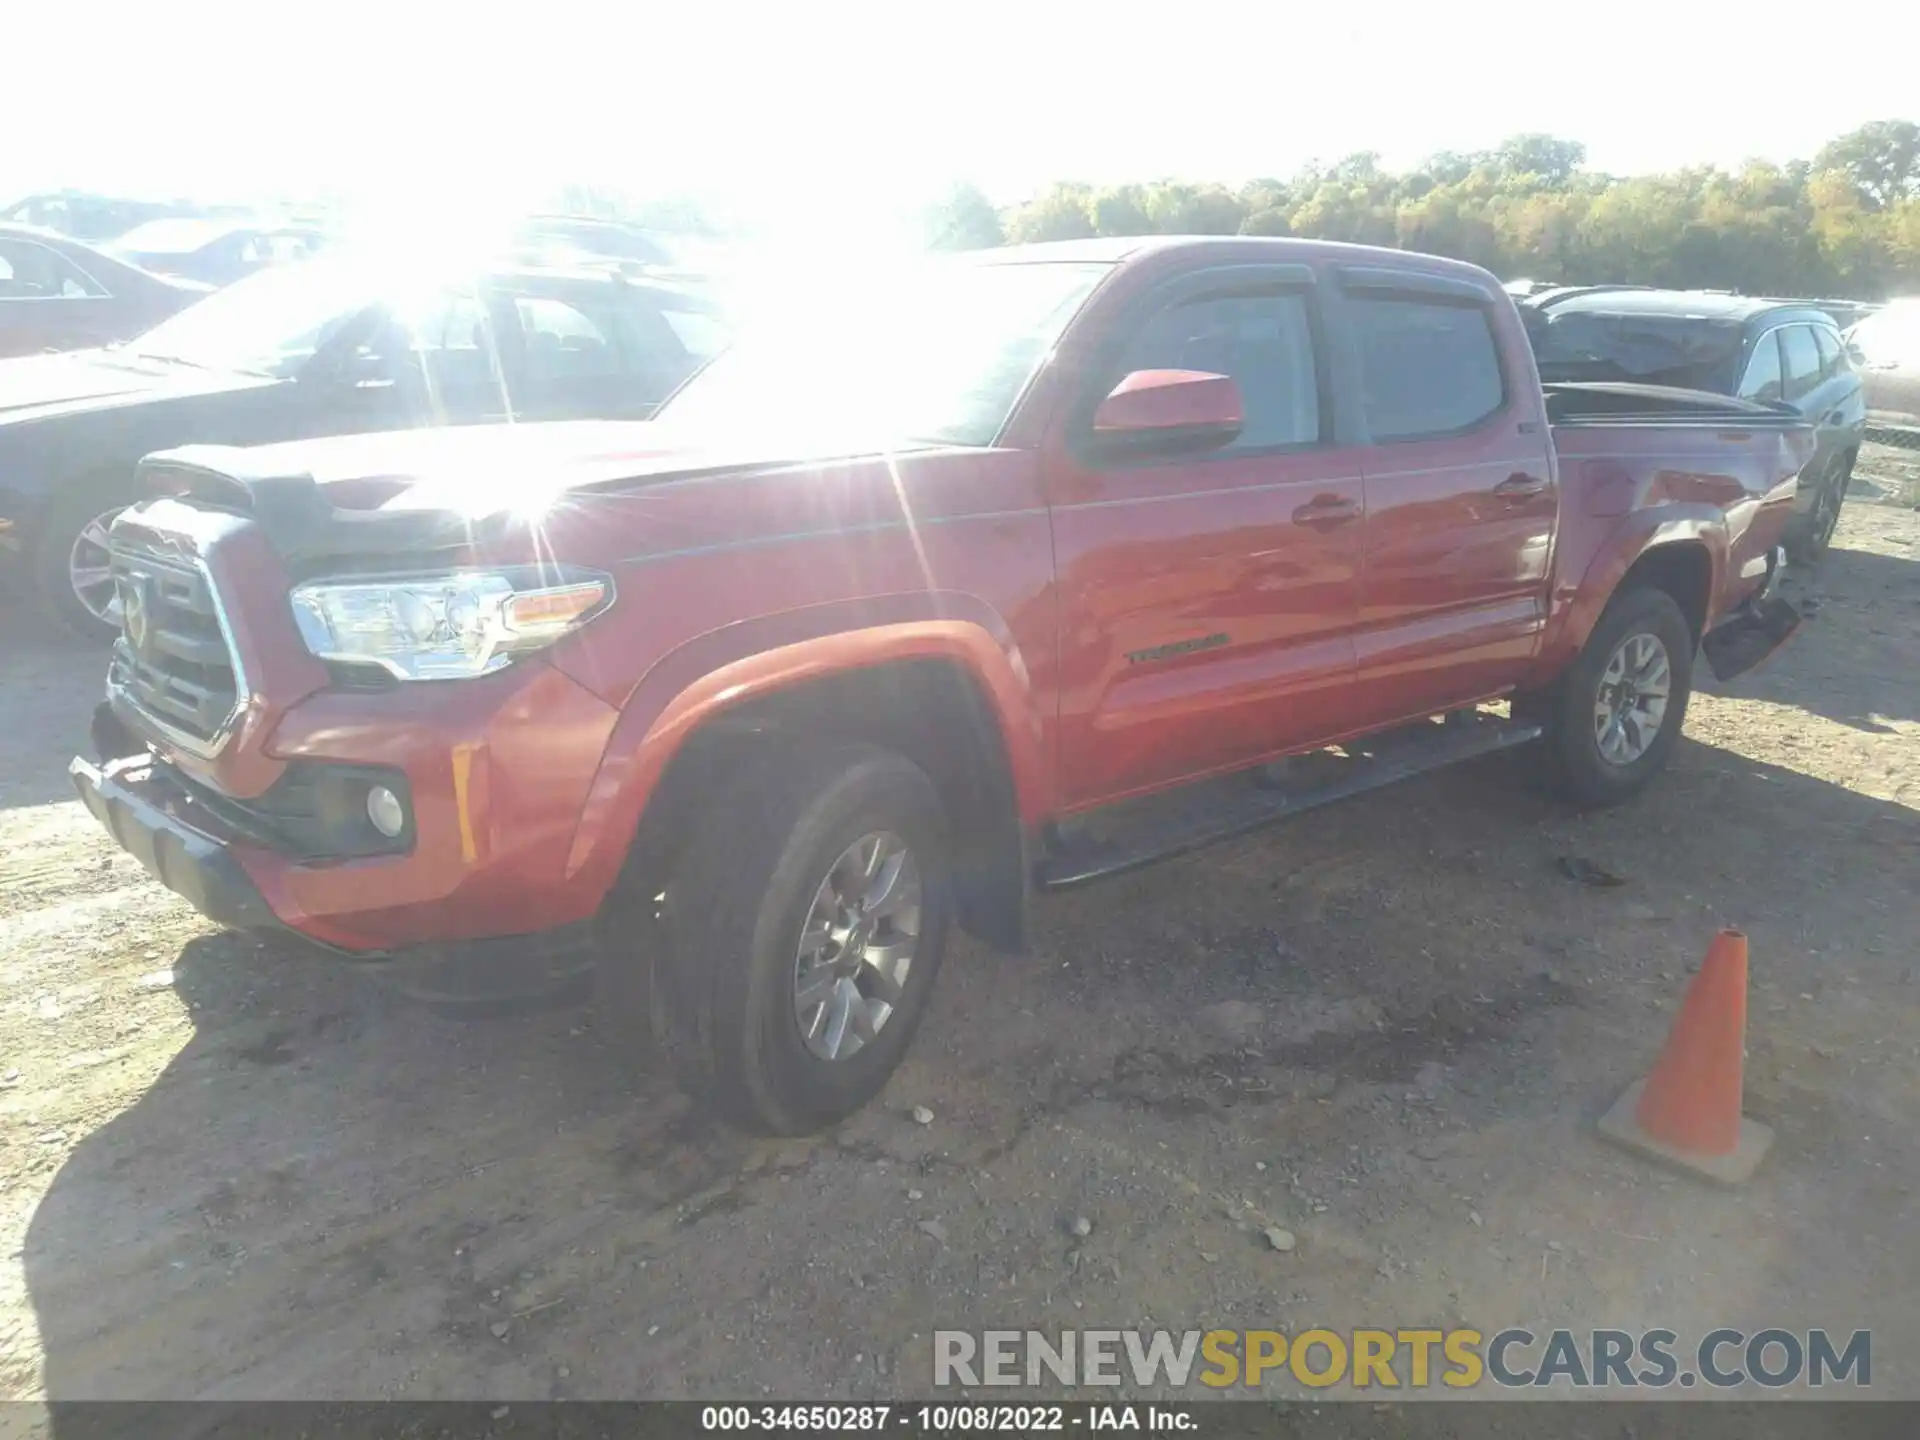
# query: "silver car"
1886, 352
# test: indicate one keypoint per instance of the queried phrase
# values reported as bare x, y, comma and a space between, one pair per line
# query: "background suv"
1771, 351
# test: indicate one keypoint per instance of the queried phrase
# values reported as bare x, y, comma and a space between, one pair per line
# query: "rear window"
1427, 367
1690, 352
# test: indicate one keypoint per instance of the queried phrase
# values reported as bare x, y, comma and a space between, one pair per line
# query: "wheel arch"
947, 693
1684, 554
1685, 570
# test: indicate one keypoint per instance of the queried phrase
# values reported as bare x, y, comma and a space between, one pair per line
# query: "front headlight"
447, 626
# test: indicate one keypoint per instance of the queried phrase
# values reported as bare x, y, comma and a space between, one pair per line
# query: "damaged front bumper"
190, 850
143, 817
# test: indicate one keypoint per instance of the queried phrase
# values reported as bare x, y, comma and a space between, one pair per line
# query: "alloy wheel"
1826, 505
90, 569
1630, 705
857, 946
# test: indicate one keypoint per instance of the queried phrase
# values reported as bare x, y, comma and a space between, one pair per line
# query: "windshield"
938, 355
270, 323
1690, 352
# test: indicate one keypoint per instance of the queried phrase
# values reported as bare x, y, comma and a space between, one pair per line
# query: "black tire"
52, 580
1810, 535
722, 987
1570, 747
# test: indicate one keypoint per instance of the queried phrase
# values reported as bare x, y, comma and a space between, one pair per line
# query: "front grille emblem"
174, 664
136, 612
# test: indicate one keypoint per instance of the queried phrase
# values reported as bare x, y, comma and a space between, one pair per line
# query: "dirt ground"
231, 1171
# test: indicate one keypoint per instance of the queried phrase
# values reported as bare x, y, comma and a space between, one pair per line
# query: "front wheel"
805, 925
73, 578
1613, 718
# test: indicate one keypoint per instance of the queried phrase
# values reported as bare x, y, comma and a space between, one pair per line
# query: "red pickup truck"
993, 576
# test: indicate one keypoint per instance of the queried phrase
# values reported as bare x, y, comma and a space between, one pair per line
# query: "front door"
1207, 602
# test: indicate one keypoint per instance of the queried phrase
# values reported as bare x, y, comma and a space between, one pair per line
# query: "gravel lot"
228, 1170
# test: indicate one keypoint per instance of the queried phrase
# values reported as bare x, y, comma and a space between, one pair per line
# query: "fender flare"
717, 672
1637, 535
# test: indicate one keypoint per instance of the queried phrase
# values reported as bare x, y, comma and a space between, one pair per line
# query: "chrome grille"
173, 663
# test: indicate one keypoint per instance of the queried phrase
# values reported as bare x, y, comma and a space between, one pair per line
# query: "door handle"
1327, 510
1520, 486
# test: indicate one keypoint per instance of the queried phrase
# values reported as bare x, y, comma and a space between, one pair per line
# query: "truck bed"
1581, 403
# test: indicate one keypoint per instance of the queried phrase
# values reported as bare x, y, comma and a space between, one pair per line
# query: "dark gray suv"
1772, 351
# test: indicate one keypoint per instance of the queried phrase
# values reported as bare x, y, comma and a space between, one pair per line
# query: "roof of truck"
1112, 250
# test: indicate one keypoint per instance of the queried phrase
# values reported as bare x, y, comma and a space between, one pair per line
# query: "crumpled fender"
1591, 564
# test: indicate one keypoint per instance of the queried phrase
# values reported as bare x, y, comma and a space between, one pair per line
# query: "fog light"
386, 812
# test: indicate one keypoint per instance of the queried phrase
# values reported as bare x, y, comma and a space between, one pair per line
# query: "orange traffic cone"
1687, 1111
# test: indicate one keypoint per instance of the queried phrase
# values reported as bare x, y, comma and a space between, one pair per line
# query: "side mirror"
1168, 412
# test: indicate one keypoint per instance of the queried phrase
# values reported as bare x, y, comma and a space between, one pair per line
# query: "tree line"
1844, 225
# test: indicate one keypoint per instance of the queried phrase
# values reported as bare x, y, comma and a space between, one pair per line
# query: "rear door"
1207, 601
1460, 494
1819, 389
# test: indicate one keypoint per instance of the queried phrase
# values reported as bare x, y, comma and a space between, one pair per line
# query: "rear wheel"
1613, 718
805, 925
1810, 535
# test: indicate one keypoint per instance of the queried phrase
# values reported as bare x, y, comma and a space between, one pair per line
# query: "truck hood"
42, 387
477, 471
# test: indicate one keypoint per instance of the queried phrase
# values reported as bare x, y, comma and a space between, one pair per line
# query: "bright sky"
824, 109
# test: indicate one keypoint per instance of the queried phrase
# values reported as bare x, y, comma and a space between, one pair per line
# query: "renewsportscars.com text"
1367, 1359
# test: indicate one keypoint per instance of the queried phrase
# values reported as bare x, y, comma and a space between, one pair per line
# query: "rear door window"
1762, 380
566, 343
1800, 358
1427, 367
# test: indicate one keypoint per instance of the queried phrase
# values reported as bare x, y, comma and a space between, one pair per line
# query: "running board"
1133, 833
